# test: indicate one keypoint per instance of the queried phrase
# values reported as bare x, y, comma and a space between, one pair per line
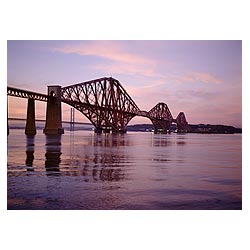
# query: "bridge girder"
161, 118
103, 101
26, 94
108, 106
181, 121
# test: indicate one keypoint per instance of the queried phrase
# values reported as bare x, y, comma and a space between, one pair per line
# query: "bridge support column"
30, 128
161, 126
53, 123
122, 131
98, 130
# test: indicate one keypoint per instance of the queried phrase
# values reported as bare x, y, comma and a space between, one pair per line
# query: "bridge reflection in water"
29, 152
53, 153
98, 162
84, 170
98, 158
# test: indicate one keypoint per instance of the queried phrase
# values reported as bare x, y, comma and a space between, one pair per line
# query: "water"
83, 170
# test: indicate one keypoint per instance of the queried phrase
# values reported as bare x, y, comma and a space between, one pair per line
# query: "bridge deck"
106, 103
26, 94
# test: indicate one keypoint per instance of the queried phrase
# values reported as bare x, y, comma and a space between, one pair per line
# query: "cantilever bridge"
103, 101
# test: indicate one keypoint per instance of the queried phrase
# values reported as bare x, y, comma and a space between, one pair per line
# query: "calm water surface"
83, 170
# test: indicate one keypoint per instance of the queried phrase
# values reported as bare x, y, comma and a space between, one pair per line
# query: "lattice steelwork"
161, 117
26, 94
182, 124
108, 106
103, 101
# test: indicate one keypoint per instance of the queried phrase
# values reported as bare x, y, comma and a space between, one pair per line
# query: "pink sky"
200, 78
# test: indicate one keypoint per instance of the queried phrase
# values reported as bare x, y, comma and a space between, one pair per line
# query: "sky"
201, 78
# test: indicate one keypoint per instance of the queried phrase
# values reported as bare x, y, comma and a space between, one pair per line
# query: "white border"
124, 20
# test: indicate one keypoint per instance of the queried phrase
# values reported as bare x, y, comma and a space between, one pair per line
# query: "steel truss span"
26, 94
182, 124
161, 118
104, 102
108, 106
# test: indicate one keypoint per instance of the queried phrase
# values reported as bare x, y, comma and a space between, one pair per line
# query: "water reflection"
181, 140
98, 158
160, 142
165, 141
103, 172
30, 152
53, 154
107, 167
109, 140
108, 163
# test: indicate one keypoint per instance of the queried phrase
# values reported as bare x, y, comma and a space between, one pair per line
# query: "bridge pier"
30, 128
161, 126
161, 131
53, 125
124, 131
102, 130
98, 130
106, 130
109, 130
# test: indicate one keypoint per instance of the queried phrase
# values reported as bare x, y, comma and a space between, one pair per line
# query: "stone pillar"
30, 128
53, 125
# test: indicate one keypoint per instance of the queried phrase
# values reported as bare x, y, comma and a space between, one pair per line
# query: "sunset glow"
201, 78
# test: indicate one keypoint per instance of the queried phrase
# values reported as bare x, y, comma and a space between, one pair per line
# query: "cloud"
20, 85
124, 59
119, 57
201, 77
107, 49
126, 69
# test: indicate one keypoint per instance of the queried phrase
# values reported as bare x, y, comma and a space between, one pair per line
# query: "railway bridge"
103, 101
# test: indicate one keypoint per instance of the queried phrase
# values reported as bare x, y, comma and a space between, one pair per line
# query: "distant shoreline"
193, 128
41, 120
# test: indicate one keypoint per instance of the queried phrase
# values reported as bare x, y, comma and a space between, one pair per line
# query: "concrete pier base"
30, 128
124, 131
109, 130
98, 130
56, 131
53, 125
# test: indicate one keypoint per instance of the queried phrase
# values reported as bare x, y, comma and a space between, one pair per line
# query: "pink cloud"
126, 68
124, 61
121, 60
106, 49
200, 77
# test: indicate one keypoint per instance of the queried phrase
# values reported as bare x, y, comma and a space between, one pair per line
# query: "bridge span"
103, 101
